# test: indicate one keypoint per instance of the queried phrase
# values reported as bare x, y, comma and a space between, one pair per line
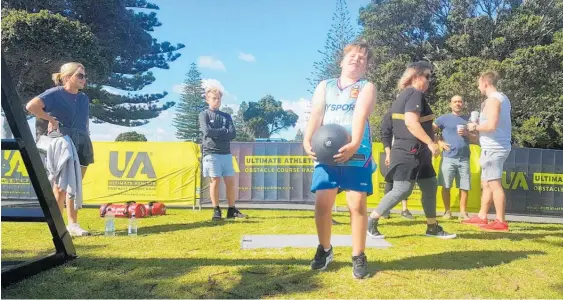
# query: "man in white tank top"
495, 134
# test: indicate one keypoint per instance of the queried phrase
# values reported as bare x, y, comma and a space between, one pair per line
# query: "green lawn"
183, 255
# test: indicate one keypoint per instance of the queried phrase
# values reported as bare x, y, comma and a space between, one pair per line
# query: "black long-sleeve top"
218, 131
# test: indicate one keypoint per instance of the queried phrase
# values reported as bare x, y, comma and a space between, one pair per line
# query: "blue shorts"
218, 165
342, 177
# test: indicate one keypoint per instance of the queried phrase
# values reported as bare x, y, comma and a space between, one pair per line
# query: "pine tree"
340, 34
299, 135
191, 103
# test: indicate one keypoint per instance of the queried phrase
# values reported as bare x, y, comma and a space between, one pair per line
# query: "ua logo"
514, 181
328, 143
12, 162
132, 164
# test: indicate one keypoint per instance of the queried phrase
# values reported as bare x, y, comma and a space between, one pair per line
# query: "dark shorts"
85, 156
83, 144
406, 166
342, 177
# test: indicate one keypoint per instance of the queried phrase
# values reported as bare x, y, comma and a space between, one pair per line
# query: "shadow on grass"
189, 226
30, 254
119, 278
461, 260
513, 236
130, 278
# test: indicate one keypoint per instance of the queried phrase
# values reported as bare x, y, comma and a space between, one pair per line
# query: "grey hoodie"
63, 167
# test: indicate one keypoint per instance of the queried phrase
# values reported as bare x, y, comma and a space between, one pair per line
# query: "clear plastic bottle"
132, 230
110, 223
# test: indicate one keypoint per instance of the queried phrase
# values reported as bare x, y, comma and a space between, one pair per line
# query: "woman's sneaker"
436, 230
322, 258
372, 229
75, 230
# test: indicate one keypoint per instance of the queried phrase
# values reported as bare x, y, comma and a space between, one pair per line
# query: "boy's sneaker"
235, 213
407, 214
360, 266
475, 220
75, 230
216, 214
322, 258
372, 229
496, 226
447, 215
436, 230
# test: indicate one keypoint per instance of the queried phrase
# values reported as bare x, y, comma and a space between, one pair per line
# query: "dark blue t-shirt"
67, 107
459, 145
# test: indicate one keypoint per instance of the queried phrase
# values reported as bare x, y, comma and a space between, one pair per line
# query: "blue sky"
250, 48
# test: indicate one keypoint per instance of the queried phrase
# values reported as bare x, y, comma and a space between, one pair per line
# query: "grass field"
184, 255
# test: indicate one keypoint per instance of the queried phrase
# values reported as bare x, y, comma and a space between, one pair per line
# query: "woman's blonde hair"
67, 69
413, 69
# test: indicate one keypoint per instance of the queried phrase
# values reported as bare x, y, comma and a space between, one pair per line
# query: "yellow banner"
414, 203
287, 160
141, 171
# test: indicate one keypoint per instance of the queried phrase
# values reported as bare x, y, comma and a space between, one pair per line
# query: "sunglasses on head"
81, 76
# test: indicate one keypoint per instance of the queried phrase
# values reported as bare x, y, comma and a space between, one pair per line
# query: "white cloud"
302, 108
178, 88
228, 98
246, 57
158, 129
209, 62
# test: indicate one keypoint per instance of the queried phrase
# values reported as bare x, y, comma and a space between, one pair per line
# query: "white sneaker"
75, 230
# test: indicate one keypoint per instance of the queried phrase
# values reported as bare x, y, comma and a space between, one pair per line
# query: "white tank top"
500, 139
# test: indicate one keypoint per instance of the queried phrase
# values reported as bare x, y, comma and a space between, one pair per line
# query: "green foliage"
339, 35
244, 133
463, 38
131, 136
112, 40
26, 38
191, 103
267, 116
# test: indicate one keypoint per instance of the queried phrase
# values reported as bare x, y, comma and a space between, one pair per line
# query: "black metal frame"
24, 142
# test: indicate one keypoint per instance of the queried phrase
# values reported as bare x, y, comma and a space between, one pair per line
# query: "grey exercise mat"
303, 241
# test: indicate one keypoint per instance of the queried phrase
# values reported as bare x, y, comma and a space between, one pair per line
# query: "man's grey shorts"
492, 163
218, 165
455, 168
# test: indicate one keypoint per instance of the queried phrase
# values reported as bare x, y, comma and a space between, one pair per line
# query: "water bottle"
132, 230
110, 223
